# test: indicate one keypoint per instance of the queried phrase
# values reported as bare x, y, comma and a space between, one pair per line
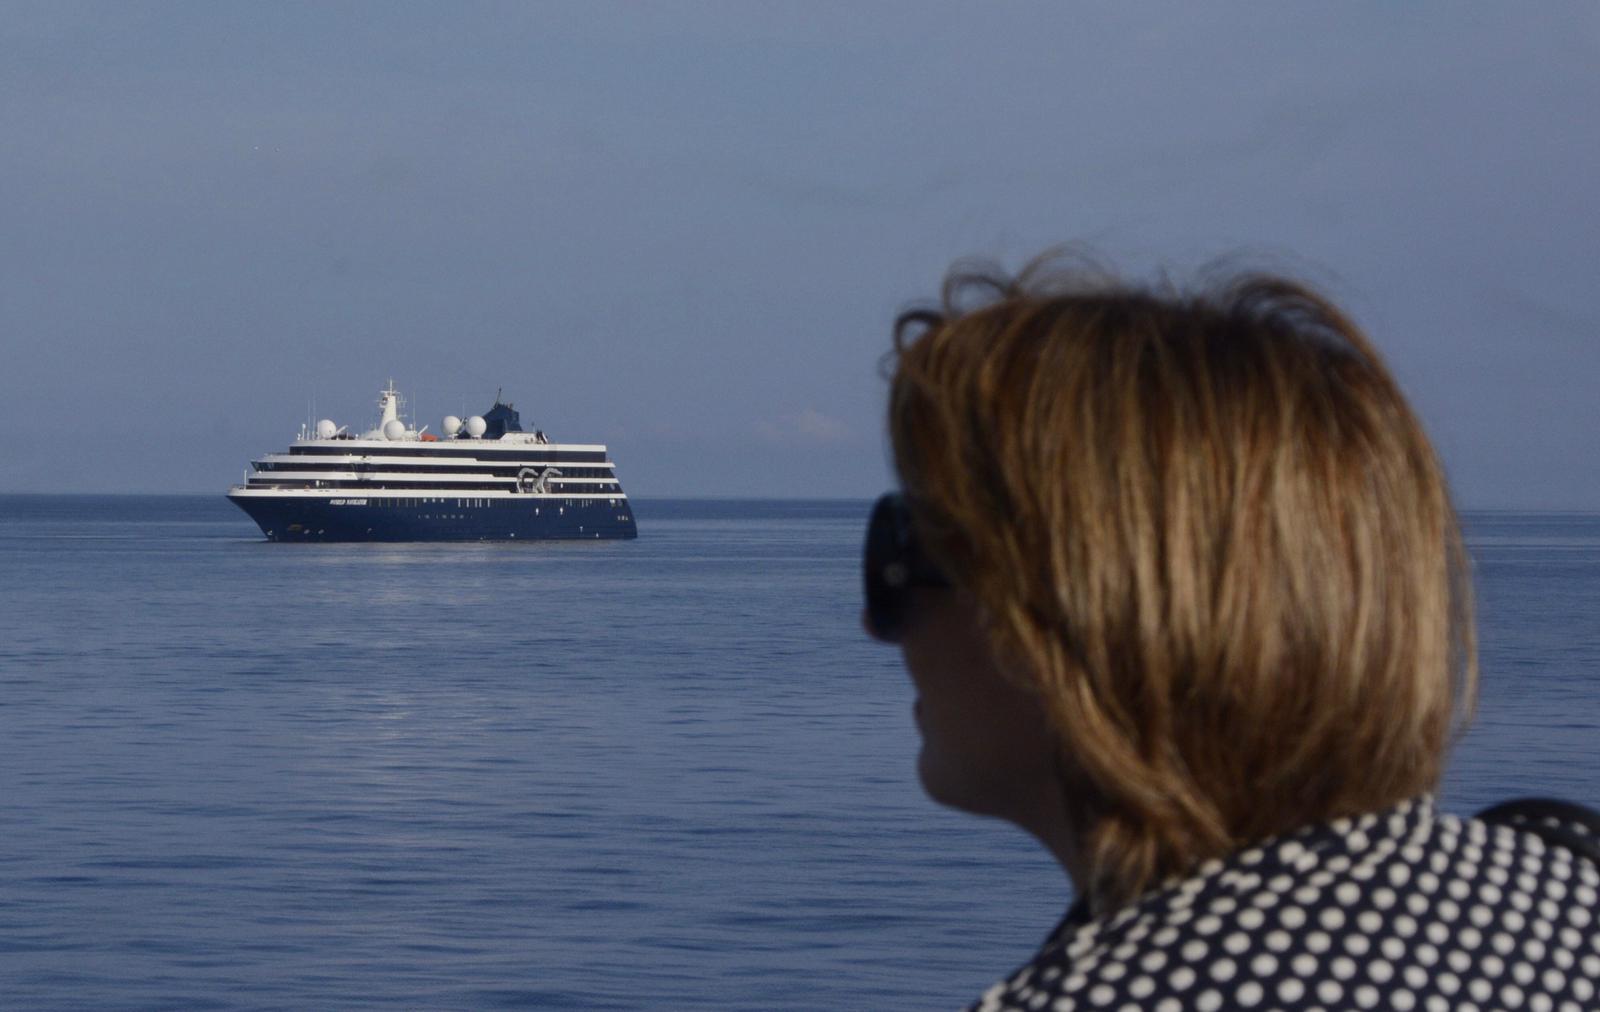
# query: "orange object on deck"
428, 437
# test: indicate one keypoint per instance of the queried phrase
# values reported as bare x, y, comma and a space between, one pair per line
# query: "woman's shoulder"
1406, 908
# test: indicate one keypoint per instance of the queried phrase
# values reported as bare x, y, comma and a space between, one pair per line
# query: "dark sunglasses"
892, 564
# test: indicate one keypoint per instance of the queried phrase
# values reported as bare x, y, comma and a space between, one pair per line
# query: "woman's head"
1204, 531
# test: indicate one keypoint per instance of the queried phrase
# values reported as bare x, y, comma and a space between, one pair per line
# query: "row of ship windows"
508, 472
548, 457
460, 504
480, 486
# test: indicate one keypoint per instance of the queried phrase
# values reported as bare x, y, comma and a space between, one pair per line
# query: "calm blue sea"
669, 773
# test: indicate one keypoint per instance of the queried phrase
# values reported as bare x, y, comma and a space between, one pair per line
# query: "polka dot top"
1404, 909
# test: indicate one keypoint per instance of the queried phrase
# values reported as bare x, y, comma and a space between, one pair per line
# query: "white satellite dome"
452, 425
476, 426
394, 428
326, 429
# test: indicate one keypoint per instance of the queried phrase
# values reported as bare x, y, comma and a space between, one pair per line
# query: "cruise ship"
482, 479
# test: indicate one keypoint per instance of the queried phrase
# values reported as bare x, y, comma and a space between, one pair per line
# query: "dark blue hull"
468, 519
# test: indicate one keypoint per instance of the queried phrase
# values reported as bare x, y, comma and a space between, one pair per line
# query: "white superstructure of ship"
482, 478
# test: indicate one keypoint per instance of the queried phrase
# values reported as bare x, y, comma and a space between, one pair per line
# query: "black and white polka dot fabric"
1406, 909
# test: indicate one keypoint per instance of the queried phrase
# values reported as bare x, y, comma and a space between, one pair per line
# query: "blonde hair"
1210, 532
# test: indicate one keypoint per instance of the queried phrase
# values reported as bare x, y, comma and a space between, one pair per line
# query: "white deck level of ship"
451, 468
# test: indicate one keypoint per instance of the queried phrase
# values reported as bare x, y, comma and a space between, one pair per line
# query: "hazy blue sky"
683, 229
